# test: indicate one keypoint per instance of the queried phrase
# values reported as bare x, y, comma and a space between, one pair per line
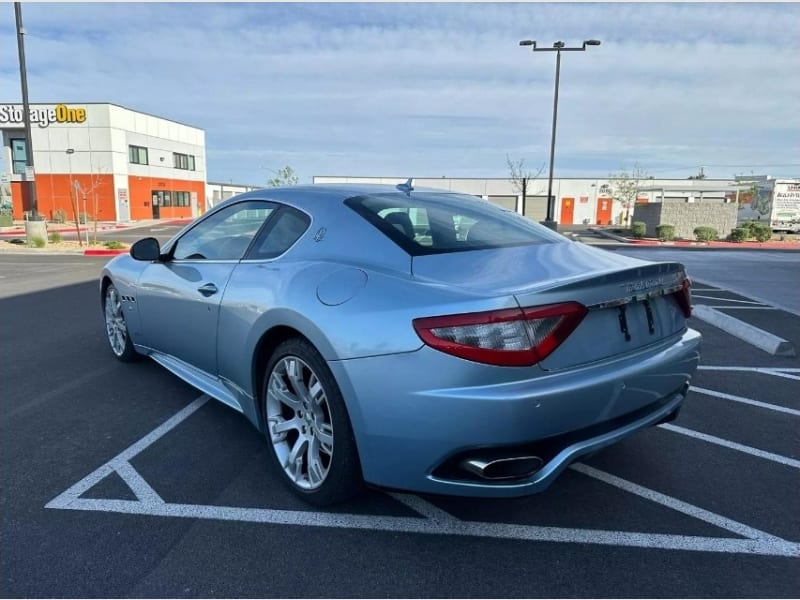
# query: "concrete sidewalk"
19, 226
619, 240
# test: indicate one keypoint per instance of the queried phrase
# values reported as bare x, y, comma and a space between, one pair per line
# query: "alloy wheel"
299, 421
116, 329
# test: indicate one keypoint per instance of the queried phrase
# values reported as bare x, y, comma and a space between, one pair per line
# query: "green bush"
706, 234
748, 227
739, 234
59, 216
6, 220
114, 245
665, 232
55, 237
761, 231
639, 229
83, 218
38, 242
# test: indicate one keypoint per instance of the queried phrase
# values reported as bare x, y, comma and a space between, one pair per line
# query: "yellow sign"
41, 115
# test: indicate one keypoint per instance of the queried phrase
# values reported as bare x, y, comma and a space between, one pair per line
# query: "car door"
179, 297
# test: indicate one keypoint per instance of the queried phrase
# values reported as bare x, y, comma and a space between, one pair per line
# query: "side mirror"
146, 249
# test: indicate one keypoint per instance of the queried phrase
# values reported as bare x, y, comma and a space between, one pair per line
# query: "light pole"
558, 48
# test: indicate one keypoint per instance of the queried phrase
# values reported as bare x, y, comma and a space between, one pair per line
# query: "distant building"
582, 200
216, 192
114, 163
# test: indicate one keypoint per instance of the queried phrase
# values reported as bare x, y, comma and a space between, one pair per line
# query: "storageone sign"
12, 114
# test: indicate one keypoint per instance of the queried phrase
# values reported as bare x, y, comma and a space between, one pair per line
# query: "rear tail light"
684, 298
514, 337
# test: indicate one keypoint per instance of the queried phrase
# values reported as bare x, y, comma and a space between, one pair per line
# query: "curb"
104, 252
759, 338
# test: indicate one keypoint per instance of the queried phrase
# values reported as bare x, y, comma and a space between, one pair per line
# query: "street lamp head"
528, 43
592, 42
559, 44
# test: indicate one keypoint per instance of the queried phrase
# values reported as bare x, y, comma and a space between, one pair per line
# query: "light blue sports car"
410, 339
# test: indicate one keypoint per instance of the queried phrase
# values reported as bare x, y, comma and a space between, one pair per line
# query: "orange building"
104, 161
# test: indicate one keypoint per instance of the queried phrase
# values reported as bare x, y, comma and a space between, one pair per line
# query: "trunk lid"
630, 301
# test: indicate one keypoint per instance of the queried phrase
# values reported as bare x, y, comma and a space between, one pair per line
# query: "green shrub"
55, 237
39, 242
59, 216
83, 218
665, 232
706, 234
761, 231
639, 229
739, 234
748, 227
114, 245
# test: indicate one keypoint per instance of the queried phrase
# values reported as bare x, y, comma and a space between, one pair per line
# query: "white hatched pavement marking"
773, 371
743, 400
137, 483
728, 300
784, 460
675, 504
423, 507
434, 521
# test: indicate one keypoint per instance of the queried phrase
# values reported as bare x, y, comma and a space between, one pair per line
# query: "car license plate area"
613, 330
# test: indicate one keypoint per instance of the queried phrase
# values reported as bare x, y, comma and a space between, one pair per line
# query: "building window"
183, 161
137, 155
181, 198
18, 159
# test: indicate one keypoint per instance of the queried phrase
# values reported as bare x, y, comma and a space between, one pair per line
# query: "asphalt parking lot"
120, 480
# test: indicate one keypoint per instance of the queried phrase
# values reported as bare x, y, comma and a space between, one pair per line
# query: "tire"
307, 426
116, 326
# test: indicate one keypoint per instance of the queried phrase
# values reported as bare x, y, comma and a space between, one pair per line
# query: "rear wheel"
307, 425
116, 326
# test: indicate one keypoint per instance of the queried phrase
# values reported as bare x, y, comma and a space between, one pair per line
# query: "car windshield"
435, 223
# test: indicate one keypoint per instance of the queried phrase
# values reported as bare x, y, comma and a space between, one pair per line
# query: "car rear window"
430, 223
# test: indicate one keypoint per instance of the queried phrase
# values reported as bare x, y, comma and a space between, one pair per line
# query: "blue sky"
426, 90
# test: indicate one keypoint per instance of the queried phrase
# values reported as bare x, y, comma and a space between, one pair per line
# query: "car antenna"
406, 187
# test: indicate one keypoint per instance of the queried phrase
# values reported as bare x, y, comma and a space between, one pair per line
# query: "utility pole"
35, 227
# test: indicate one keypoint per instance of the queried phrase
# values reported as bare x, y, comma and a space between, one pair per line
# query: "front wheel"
307, 425
117, 327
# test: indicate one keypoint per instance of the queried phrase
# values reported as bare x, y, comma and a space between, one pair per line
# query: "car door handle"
208, 289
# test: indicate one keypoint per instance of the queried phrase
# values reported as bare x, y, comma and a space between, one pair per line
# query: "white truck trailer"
774, 201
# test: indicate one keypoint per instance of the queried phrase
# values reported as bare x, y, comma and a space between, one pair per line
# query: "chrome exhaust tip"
517, 467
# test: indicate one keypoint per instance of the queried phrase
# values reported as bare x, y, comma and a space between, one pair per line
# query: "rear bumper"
413, 427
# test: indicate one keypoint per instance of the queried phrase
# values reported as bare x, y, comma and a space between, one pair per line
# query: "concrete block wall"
686, 216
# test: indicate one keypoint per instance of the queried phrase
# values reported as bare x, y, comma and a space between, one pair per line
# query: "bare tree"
625, 188
284, 176
522, 178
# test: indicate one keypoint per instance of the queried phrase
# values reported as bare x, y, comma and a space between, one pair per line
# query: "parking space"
122, 480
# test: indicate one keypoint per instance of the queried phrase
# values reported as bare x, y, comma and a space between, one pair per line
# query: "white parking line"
774, 371
784, 460
137, 483
728, 300
675, 504
433, 520
743, 400
423, 507
764, 547
727, 306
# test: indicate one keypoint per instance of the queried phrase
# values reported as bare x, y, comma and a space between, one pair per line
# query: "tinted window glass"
424, 223
226, 234
280, 233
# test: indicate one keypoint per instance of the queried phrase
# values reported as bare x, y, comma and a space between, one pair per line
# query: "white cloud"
428, 90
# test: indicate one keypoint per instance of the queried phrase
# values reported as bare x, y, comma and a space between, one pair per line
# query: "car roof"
326, 192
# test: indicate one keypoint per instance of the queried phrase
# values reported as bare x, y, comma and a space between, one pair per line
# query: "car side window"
226, 235
280, 233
